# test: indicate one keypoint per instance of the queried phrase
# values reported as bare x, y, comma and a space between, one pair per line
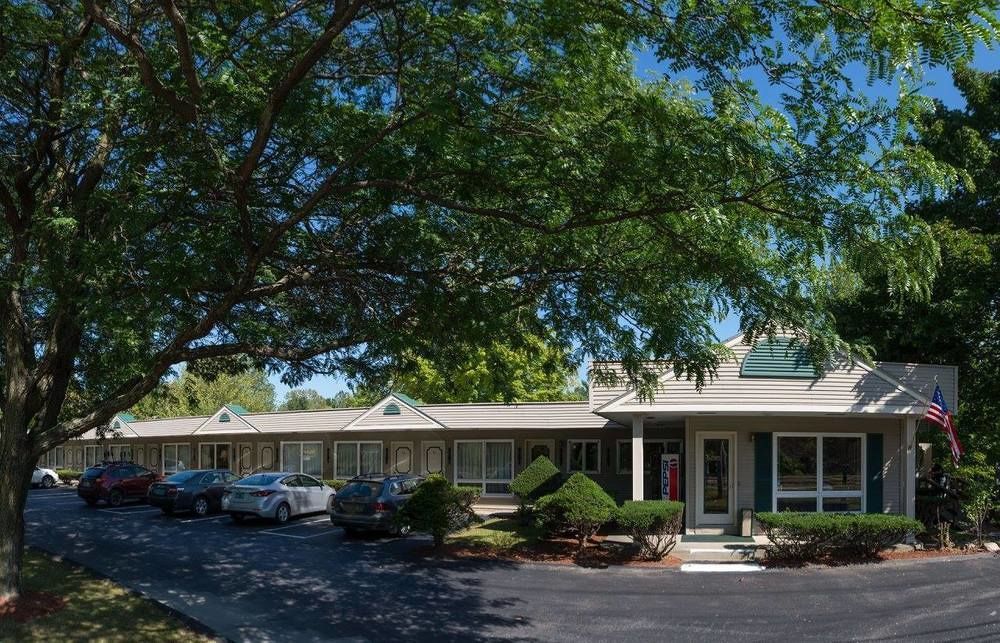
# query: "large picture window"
302, 457
91, 455
485, 464
356, 458
819, 472
584, 456
176, 457
214, 455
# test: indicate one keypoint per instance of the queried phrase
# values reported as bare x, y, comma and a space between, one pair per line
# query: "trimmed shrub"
68, 475
539, 478
336, 485
810, 536
653, 525
439, 508
579, 505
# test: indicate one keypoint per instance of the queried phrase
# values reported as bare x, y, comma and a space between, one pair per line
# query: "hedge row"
68, 475
809, 536
336, 485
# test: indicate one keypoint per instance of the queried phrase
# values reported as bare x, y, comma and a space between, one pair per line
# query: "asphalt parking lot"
306, 582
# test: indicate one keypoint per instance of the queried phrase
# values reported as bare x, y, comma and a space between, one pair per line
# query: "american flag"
939, 414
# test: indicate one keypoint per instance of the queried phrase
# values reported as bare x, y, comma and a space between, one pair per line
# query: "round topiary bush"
538, 479
439, 508
653, 525
581, 505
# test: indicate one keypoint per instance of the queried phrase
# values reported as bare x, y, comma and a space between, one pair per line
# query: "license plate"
159, 492
352, 509
85, 483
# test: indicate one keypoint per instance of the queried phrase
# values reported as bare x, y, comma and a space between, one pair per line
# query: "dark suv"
371, 502
197, 491
115, 482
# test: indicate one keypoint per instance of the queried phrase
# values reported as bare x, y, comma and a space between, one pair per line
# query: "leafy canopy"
198, 394
318, 185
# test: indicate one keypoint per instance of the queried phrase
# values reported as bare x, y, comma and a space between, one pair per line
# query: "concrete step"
735, 554
715, 567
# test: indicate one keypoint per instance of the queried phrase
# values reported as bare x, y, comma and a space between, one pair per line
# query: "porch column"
637, 457
910, 468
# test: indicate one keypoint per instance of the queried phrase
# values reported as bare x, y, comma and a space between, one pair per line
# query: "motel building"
769, 433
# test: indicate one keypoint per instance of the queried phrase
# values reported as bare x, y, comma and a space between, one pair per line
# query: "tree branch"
184, 49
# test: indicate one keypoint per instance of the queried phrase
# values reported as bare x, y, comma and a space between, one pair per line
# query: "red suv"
115, 482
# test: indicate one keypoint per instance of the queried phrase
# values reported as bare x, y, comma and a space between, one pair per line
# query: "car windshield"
93, 472
183, 476
361, 489
260, 480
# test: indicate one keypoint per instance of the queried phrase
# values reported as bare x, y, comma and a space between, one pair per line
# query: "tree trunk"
15, 478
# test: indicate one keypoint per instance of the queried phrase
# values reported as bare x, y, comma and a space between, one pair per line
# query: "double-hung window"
302, 457
584, 456
356, 458
91, 455
176, 457
487, 465
819, 472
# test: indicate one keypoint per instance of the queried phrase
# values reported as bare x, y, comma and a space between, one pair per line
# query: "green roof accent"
237, 409
409, 400
391, 409
224, 417
778, 358
126, 417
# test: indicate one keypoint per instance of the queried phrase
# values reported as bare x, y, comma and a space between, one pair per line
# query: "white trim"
819, 493
215, 453
97, 455
232, 414
430, 425
569, 448
163, 455
483, 481
435, 444
357, 452
301, 443
394, 446
701, 518
530, 442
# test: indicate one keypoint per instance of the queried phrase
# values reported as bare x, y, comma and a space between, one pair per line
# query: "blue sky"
938, 85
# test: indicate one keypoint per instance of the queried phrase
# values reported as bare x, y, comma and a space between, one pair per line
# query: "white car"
278, 496
44, 478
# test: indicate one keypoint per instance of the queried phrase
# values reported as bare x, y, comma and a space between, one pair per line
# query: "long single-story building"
768, 433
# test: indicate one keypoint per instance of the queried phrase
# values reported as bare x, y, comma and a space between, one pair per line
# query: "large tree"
316, 183
960, 323
193, 393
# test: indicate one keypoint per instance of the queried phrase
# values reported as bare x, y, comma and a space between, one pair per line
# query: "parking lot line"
129, 511
184, 522
271, 533
300, 524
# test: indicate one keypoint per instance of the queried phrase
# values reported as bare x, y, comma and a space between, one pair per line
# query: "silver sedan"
277, 496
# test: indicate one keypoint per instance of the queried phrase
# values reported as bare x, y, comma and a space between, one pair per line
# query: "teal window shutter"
874, 464
763, 472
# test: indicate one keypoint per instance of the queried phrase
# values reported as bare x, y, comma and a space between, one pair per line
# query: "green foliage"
959, 324
653, 525
529, 369
812, 536
193, 394
978, 480
536, 480
579, 505
336, 485
68, 475
439, 508
304, 399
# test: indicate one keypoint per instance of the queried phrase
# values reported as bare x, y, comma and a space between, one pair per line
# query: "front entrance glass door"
716, 478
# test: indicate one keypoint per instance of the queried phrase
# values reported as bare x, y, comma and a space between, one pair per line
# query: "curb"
187, 619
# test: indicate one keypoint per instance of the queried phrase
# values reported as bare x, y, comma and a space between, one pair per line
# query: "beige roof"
529, 415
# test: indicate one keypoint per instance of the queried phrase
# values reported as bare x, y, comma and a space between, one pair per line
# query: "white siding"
922, 377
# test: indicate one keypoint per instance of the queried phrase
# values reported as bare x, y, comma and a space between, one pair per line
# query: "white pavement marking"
720, 567
184, 522
129, 512
300, 524
271, 533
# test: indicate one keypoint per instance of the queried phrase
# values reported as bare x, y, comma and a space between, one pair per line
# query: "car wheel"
283, 513
48, 482
237, 518
116, 498
201, 506
91, 502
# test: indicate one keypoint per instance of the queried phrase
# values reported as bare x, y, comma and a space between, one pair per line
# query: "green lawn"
502, 533
96, 609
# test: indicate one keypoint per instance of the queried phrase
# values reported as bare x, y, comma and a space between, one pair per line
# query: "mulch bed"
31, 605
598, 554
